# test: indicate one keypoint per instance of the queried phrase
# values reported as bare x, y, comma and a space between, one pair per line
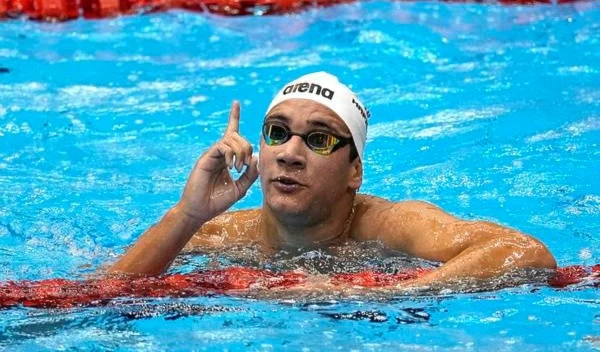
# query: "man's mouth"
286, 180
287, 184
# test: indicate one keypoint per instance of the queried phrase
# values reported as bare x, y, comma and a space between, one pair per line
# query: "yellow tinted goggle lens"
275, 134
319, 142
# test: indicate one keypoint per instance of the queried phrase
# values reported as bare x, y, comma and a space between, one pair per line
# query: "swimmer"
311, 168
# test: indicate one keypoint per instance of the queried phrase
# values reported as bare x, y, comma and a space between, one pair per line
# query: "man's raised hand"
210, 189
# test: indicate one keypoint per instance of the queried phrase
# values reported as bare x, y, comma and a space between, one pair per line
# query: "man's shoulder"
231, 228
367, 204
232, 222
238, 215
389, 221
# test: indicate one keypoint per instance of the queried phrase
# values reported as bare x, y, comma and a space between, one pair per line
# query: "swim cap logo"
363, 111
310, 88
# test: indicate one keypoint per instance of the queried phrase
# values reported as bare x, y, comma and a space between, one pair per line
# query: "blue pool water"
491, 112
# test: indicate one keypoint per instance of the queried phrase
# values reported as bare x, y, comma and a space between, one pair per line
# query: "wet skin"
310, 200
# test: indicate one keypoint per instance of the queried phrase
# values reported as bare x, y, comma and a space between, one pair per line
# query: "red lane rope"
64, 10
61, 293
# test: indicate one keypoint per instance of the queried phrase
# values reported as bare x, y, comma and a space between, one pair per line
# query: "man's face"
297, 181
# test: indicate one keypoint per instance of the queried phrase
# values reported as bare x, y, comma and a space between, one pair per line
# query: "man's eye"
320, 139
277, 132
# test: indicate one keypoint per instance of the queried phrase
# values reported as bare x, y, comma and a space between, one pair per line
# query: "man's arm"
156, 249
209, 191
469, 249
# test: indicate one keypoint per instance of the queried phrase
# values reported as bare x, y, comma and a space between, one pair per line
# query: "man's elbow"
535, 254
546, 259
520, 250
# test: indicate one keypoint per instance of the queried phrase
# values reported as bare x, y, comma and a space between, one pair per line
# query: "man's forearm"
154, 252
491, 259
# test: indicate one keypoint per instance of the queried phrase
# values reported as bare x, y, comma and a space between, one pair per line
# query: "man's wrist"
180, 214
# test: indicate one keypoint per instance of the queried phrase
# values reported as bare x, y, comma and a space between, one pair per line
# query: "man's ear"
356, 175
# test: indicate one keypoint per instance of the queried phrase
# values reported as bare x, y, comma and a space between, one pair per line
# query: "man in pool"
311, 168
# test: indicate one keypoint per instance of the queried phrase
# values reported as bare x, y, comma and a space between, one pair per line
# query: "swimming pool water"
489, 111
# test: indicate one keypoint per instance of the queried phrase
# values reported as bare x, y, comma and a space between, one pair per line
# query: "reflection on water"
348, 257
320, 265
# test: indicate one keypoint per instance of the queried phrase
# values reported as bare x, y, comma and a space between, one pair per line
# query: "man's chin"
286, 207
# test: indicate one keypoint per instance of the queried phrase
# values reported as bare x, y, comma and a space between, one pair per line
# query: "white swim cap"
326, 89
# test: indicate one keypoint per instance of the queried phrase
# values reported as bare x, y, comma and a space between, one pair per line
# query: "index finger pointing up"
234, 118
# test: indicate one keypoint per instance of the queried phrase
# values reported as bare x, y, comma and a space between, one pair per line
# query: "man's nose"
293, 153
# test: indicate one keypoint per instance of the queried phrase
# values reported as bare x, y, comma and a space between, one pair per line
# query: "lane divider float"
65, 10
62, 293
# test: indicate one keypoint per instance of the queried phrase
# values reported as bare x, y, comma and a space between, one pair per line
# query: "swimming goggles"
320, 142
